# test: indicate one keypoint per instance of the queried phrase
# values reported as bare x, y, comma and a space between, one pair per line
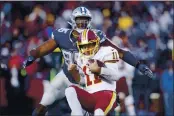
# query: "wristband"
30, 58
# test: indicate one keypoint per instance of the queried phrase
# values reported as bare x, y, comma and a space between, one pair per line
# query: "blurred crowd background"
144, 28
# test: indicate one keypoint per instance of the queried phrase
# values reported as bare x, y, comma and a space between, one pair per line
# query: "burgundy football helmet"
88, 43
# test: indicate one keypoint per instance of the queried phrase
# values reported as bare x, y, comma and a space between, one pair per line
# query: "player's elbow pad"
109, 73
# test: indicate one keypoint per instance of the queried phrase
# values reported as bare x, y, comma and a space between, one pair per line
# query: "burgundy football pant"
105, 100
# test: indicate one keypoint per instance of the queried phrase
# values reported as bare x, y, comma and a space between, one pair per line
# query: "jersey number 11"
89, 82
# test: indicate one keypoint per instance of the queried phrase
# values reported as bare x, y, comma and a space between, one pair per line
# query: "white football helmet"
84, 21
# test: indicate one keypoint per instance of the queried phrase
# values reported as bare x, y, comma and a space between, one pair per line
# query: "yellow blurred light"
125, 23
106, 13
50, 18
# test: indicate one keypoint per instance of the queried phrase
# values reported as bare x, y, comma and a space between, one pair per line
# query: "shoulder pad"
60, 33
111, 56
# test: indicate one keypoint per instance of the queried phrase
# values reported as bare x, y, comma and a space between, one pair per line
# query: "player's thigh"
52, 92
86, 99
60, 81
106, 100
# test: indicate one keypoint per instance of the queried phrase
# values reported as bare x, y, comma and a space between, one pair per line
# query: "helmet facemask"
89, 49
82, 22
81, 19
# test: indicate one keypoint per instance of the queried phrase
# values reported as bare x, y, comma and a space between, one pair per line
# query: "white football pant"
55, 90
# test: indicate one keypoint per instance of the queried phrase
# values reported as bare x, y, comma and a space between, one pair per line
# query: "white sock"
131, 110
71, 96
129, 105
99, 112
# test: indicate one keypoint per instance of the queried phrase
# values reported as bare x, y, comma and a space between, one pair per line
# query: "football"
100, 63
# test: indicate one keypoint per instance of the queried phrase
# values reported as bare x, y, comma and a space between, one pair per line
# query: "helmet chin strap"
87, 56
81, 30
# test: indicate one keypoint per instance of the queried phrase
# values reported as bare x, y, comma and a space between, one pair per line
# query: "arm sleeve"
123, 54
112, 56
110, 71
130, 59
82, 75
54, 36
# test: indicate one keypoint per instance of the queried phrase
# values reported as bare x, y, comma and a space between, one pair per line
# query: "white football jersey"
94, 82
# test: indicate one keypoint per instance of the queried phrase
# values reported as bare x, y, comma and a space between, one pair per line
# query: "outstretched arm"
123, 54
42, 50
129, 58
46, 48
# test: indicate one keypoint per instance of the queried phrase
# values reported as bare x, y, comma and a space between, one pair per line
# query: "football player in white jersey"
81, 19
97, 69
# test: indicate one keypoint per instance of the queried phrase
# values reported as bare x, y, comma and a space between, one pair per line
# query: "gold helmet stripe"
82, 35
85, 35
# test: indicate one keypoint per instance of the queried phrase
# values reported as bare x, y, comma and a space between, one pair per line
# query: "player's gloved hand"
145, 70
28, 61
